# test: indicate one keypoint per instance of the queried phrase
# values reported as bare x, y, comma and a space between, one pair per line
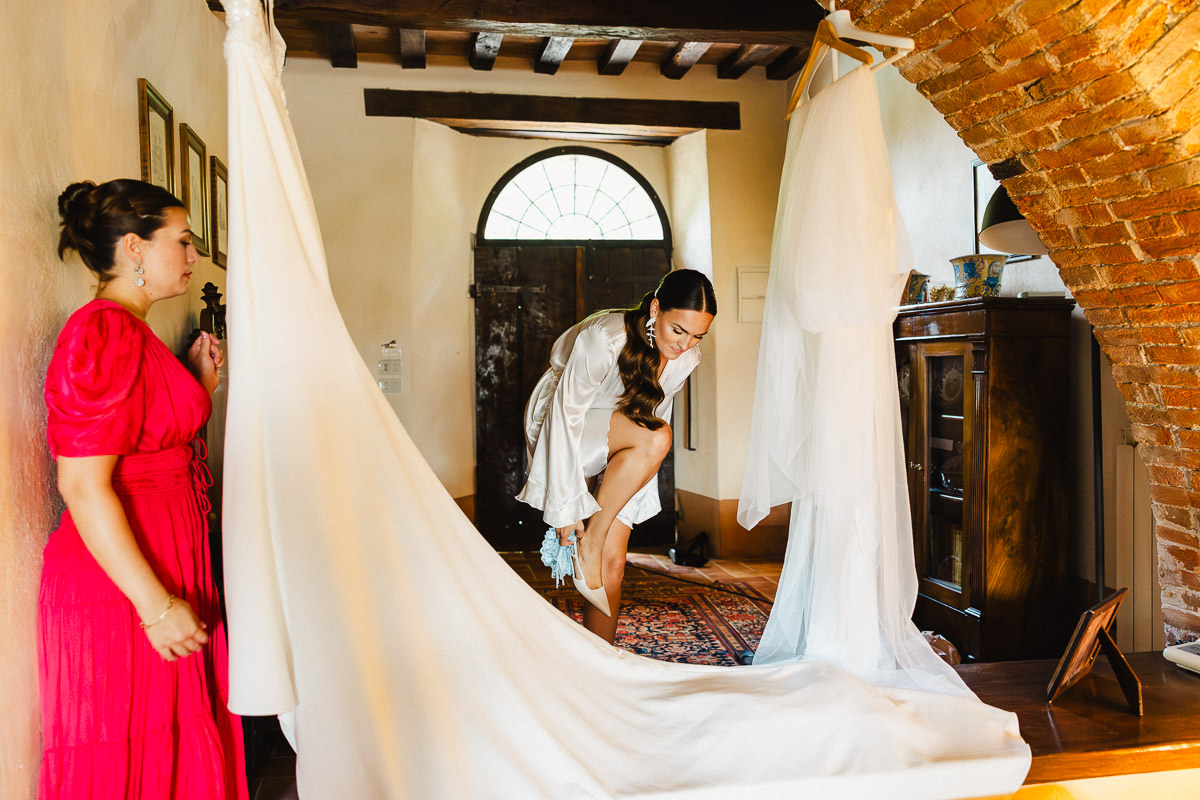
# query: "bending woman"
131, 651
600, 411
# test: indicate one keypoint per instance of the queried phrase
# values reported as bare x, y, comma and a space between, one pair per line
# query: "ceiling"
749, 38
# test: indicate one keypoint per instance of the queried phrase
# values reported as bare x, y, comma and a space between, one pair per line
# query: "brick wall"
1089, 112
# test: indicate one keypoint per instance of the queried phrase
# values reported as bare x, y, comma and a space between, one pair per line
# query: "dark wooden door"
525, 296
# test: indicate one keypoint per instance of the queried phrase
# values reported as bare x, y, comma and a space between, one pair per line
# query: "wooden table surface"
1089, 731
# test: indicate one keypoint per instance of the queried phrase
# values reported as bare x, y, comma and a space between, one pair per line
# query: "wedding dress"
825, 432
418, 664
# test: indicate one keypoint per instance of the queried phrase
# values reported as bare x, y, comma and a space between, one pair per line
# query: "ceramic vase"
978, 275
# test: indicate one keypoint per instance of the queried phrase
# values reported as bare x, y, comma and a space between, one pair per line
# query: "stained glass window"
573, 196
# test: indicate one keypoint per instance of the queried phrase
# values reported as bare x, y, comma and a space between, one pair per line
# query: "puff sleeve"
557, 484
92, 397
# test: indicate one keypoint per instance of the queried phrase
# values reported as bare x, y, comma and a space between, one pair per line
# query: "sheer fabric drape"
418, 664
825, 433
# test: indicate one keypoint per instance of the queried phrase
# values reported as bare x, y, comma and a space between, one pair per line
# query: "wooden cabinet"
984, 404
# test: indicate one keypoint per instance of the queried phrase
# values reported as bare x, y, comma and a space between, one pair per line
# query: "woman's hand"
565, 533
179, 633
205, 358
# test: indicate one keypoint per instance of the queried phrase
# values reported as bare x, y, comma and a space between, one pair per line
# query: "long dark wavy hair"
640, 360
95, 217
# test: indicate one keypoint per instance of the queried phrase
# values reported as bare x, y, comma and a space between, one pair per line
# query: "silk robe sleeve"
557, 484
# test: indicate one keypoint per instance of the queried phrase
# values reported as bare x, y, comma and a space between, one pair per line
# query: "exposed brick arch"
1089, 112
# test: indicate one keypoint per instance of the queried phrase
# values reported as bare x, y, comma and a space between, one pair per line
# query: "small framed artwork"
156, 121
219, 188
1091, 637
985, 186
195, 184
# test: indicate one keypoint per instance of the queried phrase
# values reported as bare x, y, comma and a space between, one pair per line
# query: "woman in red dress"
132, 654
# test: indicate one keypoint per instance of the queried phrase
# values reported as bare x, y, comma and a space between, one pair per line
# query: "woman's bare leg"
613, 567
634, 456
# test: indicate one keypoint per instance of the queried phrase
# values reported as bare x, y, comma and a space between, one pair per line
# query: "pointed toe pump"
597, 597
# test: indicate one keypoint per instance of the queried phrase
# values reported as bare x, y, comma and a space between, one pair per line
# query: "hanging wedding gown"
825, 432
418, 664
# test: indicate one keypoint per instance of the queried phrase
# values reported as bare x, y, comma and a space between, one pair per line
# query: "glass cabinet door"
935, 410
944, 410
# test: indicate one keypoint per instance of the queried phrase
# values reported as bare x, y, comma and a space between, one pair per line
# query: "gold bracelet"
162, 616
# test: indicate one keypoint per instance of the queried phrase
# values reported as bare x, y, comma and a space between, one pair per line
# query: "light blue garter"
557, 557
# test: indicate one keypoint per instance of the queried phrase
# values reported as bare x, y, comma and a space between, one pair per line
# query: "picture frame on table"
156, 126
1090, 638
983, 186
219, 191
194, 184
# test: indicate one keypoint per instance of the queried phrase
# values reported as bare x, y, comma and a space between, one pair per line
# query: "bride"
600, 411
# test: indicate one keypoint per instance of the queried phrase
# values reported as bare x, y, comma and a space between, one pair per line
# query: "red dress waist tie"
145, 473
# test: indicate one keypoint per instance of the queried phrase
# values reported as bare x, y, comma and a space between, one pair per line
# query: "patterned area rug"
672, 620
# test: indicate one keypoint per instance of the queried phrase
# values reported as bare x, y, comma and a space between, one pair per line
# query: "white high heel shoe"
597, 597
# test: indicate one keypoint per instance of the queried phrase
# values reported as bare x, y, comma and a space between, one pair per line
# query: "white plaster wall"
398, 202
931, 169
68, 103
744, 168
691, 223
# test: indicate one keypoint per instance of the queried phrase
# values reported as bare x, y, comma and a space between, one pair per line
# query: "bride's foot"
597, 596
591, 552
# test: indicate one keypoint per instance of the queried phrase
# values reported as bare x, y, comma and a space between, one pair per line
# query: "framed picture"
1091, 636
194, 184
156, 122
985, 185
219, 187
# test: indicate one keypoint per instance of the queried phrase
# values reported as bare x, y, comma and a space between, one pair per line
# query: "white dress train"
418, 664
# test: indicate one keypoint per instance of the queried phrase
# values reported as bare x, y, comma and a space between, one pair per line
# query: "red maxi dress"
119, 722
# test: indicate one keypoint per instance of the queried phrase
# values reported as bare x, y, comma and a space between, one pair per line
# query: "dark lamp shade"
1004, 229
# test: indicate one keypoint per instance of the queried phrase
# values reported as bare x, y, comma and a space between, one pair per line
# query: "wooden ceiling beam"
683, 57
484, 49
551, 54
758, 21
617, 56
412, 48
691, 114
788, 62
739, 62
339, 38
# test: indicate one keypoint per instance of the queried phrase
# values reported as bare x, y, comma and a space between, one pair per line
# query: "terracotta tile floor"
278, 779
761, 575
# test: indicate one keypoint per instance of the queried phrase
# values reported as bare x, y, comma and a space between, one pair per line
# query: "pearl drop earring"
650, 329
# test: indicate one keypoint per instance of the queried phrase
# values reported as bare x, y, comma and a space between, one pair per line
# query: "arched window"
573, 194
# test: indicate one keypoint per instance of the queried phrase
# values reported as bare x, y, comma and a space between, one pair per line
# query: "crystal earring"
139, 280
650, 330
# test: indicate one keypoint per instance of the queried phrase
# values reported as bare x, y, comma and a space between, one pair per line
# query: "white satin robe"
567, 418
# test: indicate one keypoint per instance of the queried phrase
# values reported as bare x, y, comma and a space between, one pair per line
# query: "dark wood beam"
758, 21
739, 62
788, 62
683, 57
484, 49
552, 113
551, 54
617, 56
339, 38
613, 134
412, 48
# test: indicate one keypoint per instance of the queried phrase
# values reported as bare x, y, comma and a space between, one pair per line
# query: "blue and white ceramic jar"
978, 275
